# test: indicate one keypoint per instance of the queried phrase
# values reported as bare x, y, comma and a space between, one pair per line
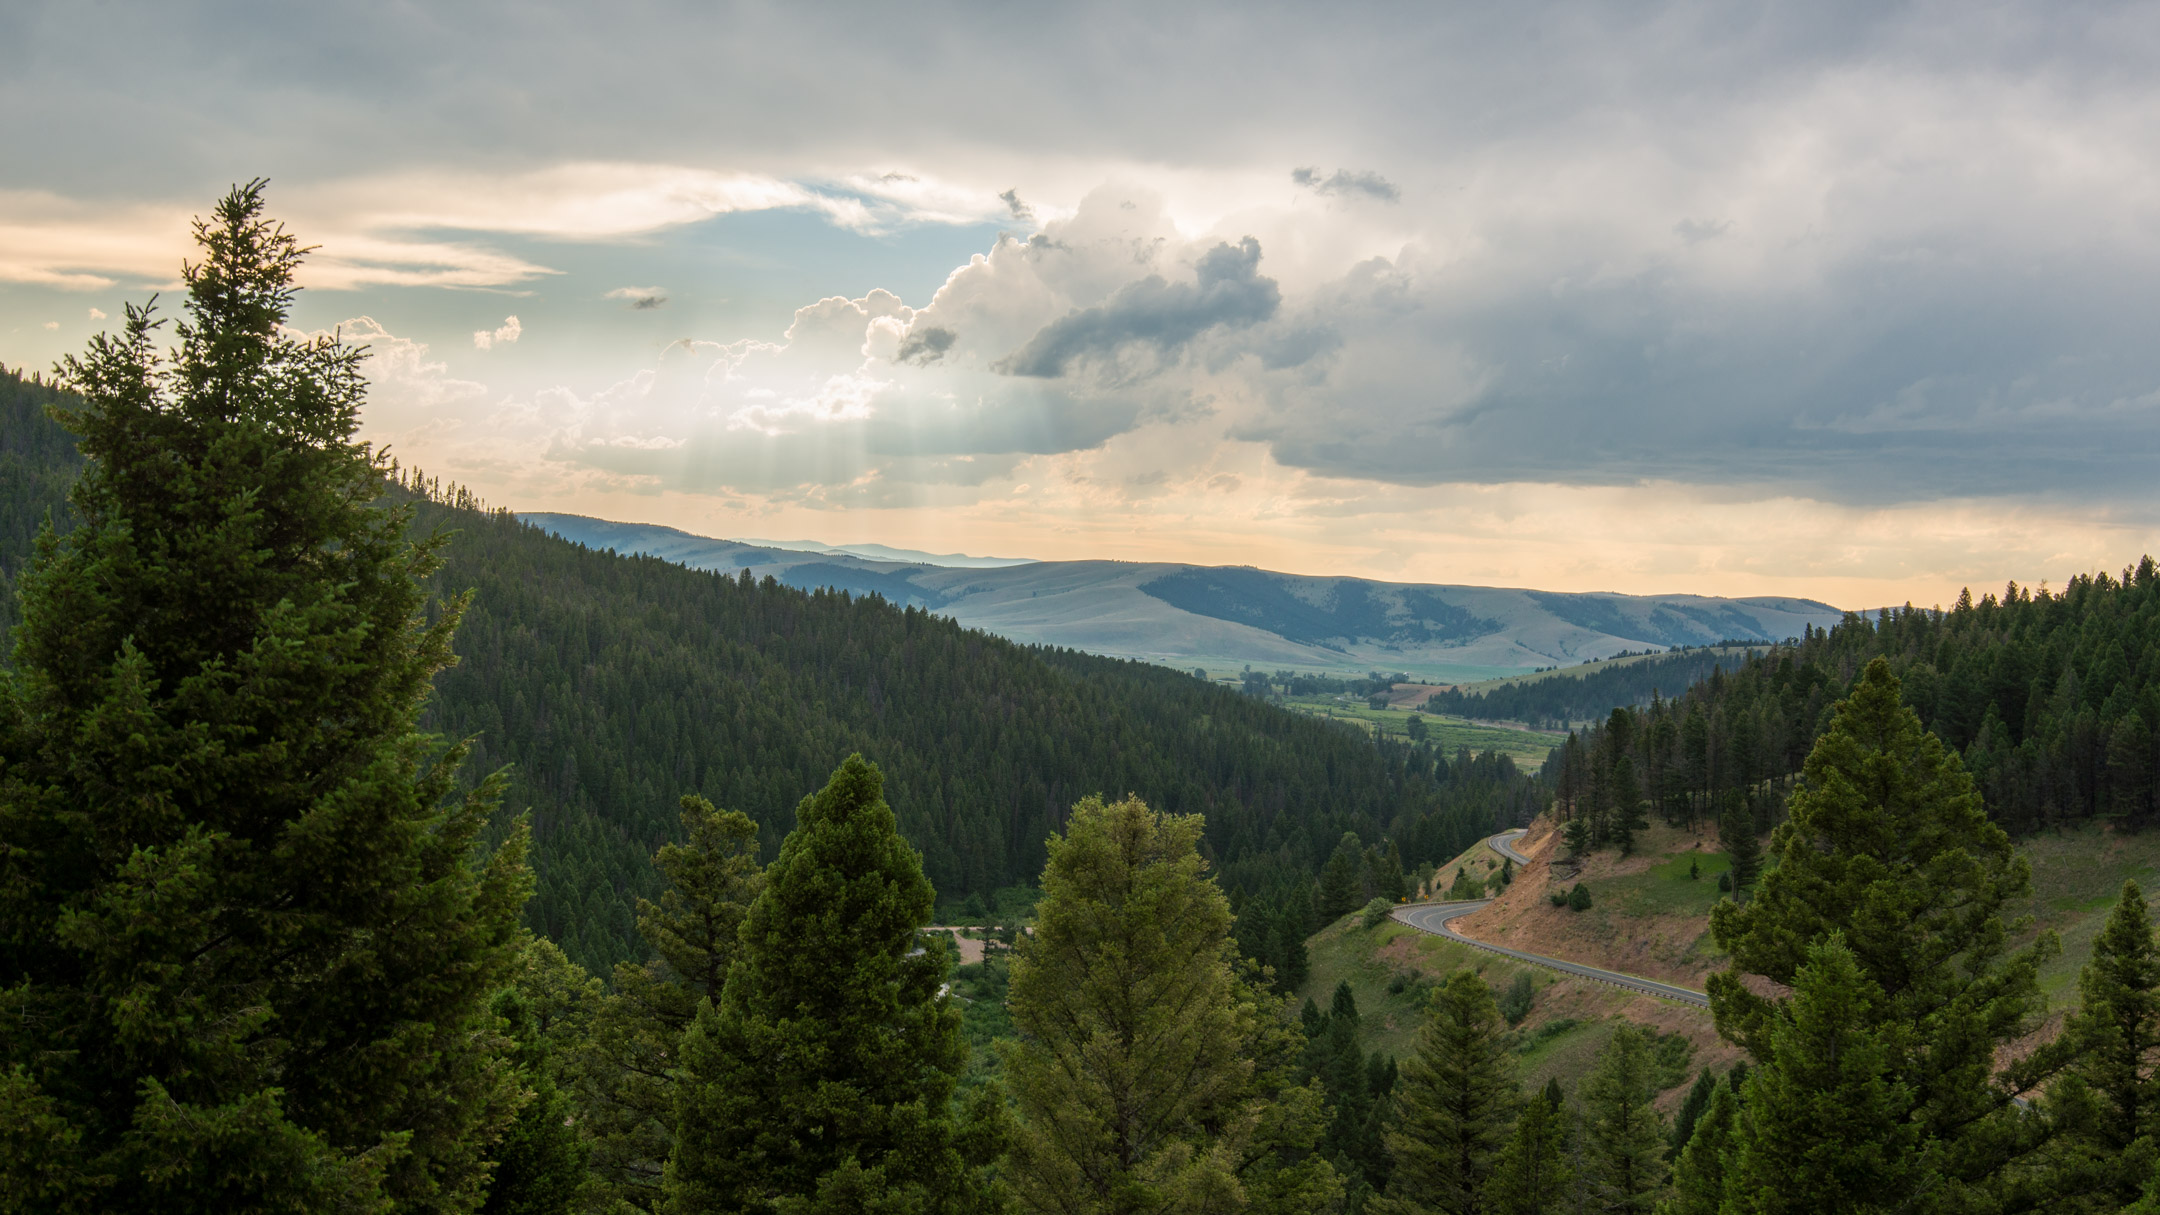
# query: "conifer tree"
1532, 1175
540, 1165
1698, 1181
1823, 1126
1457, 1097
1736, 830
1341, 888
1148, 1075
1691, 1112
246, 947
1624, 1138
2115, 1035
625, 1071
822, 1078
1888, 845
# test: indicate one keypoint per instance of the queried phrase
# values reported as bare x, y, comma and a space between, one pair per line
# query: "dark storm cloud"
925, 345
1346, 181
1228, 290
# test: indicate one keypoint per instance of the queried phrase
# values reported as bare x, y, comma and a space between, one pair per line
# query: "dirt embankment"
1647, 917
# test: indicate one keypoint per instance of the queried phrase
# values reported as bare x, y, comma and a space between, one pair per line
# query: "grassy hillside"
1648, 917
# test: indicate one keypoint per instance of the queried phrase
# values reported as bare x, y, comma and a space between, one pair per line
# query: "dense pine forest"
2051, 698
608, 685
1568, 698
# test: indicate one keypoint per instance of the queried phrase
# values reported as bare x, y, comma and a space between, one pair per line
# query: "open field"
1527, 747
1590, 668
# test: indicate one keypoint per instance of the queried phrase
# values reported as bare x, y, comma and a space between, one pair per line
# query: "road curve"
1436, 919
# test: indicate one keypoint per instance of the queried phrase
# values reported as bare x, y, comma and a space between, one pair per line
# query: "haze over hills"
1188, 615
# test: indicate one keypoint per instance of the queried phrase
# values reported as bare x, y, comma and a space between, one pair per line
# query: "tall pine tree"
1457, 1097
1533, 1175
246, 943
626, 1070
822, 1078
1623, 1136
1823, 1127
1698, 1181
1889, 847
1148, 1075
2112, 1100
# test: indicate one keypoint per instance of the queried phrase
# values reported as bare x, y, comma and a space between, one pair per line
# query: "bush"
1557, 898
1694, 870
1579, 898
1376, 912
1724, 883
1466, 887
1515, 1001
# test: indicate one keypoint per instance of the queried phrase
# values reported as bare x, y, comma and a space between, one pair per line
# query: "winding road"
1436, 918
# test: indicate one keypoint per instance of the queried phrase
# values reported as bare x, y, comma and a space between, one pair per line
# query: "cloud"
97, 314
1228, 290
1346, 181
505, 335
925, 344
1020, 210
640, 299
52, 324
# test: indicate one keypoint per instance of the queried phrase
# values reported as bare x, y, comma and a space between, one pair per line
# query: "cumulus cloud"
926, 344
504, 335
1228, 290
1020, 210
1348, 181
97, 314
640, 299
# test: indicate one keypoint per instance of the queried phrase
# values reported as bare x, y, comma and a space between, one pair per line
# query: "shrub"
1376, 912
1724, 883
1579, 898
1557, 898
1515, 1001
1466, 887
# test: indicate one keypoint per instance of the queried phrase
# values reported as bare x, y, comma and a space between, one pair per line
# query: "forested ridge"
2052, 699
1567, 698
609, 685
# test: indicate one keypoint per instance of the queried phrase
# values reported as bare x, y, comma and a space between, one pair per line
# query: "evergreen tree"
1888, 845
625, 1071
1340, 1066
2115, 1034
1736, 830
1691, 1111
1823, 1127
1457, 1097
822, 1078
540, 1164
1341, 889
1628, 810
246, 947
1623, 1137
1699, 1176
1147, 1075
1533, 1175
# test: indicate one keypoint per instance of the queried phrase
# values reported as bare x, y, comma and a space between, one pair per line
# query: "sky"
1856, 302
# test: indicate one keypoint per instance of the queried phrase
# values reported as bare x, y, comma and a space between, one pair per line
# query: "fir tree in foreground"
1623, 1137
1889, 849
2108, 1101
1149, 1076
1457, 1097
626, 1069
246, 943
1823, 1126
822, 1078
1533, 1175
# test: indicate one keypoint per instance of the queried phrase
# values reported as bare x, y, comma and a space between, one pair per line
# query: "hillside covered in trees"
2051, 698
609, 685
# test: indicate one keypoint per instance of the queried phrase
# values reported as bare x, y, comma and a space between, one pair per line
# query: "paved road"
1436, 918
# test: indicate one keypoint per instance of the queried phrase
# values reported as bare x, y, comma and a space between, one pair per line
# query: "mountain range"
1223, 617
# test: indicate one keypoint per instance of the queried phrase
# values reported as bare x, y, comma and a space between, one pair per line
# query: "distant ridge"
1226, 617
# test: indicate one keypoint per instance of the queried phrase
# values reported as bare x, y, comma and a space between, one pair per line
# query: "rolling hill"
1224, 617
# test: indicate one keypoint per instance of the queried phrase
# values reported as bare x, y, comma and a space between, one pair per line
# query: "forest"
265, 895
